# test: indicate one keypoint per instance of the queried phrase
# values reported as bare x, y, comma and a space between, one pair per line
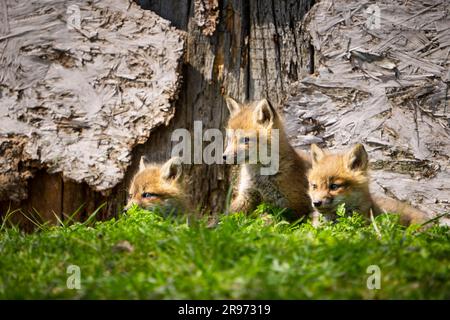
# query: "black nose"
224, 157
317, 203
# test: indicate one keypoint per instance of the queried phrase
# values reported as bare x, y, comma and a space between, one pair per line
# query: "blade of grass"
58, 219
92, 216
374, 224
70, 218
44, 224
8, 216
435, 219
228, 199
36, 223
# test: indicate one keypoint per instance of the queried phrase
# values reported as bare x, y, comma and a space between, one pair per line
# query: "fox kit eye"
314, 186
149, 195
334, 186
245, 140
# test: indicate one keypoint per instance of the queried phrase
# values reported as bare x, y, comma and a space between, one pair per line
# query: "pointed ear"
142, 163
264, 113
357, 158
316, 154
232, 105
172, 169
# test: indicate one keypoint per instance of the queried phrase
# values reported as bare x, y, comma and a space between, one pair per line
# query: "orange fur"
288, 187
343, 178
158, 186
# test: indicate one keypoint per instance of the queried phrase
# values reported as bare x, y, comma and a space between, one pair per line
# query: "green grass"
243, 257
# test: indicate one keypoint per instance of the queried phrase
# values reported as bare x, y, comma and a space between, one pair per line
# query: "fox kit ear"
264, 113
172, 169
232, 105
316, 154
357, 158
142, 164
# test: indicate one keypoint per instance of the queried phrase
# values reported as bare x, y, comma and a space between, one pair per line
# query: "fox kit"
287, 187
158, 187
343, 178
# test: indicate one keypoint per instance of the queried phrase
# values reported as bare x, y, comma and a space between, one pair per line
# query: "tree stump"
245, 49
81, 84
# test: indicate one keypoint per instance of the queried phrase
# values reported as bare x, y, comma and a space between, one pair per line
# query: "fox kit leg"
270, 192
247, 197
245, 202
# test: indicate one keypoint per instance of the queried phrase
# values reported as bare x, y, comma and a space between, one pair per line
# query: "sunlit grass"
261, 256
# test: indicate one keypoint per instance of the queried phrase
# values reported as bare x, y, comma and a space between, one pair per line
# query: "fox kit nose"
229, 157
317, 203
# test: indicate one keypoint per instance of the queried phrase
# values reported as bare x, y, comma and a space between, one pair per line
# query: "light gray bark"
76, 100
386, 87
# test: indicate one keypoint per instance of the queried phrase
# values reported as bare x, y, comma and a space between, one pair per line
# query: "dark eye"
314, 186
149, 195
245, 140
334, 186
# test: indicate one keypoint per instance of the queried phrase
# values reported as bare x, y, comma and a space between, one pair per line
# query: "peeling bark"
206, 15
76, 99
386, 87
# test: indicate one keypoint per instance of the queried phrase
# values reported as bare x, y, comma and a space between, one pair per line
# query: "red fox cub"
156, 187
337, 178
285, 187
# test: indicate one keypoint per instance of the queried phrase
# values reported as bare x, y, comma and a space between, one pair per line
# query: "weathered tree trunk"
81, 84
245, 49
256, 49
